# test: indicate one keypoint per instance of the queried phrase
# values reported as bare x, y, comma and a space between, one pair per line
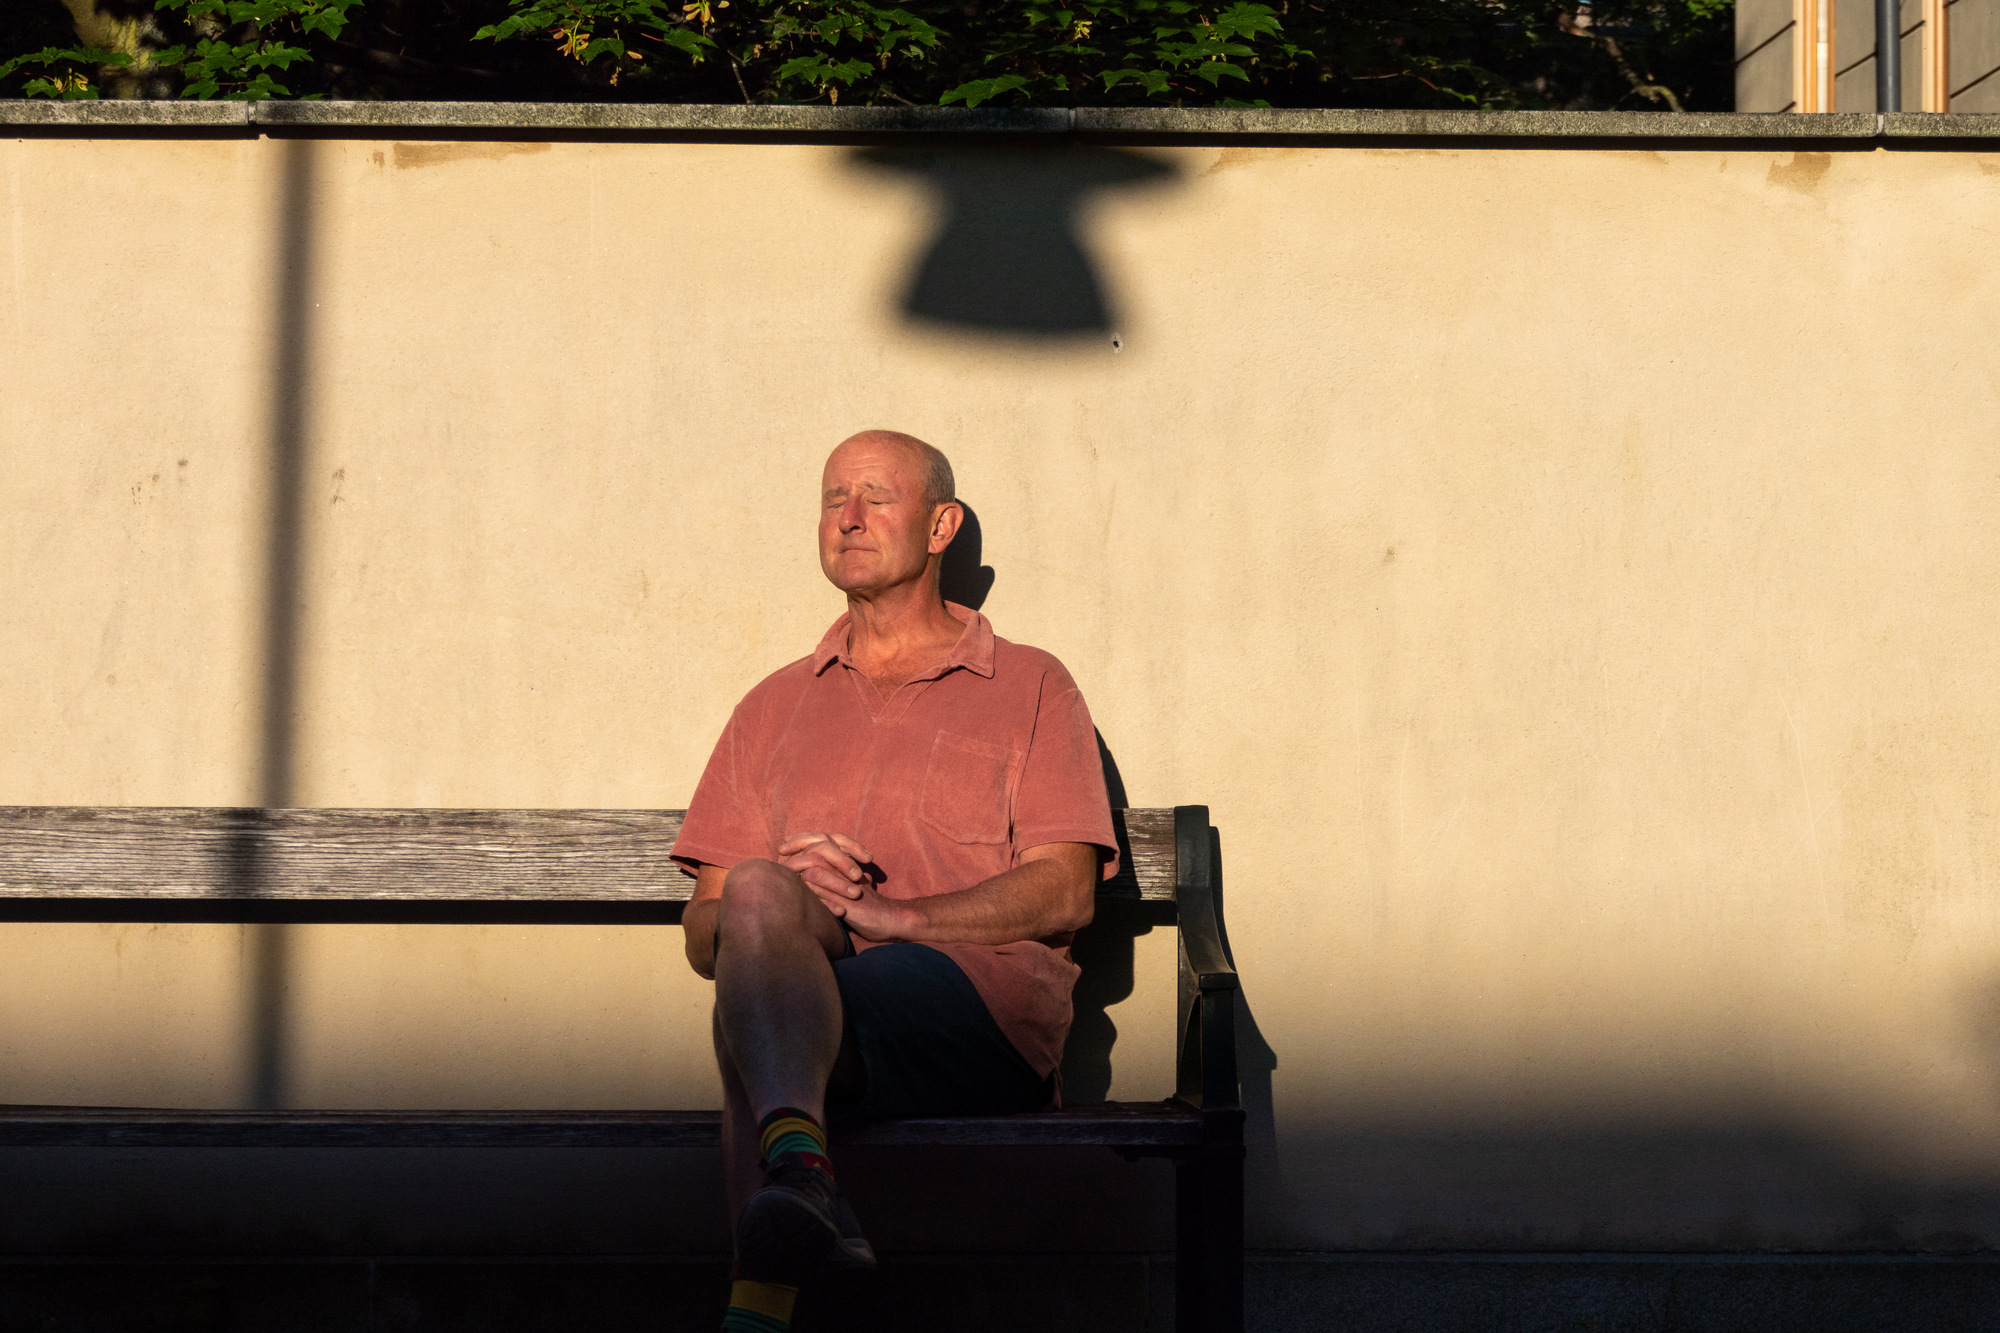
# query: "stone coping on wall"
614, 120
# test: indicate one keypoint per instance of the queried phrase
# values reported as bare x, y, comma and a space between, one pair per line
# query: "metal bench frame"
73, 863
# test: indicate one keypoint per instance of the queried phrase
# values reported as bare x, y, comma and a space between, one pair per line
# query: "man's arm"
1052, 892
699, 916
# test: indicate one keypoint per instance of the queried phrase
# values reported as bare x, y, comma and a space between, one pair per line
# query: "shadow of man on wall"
1007, 256
1104, 949
961, 576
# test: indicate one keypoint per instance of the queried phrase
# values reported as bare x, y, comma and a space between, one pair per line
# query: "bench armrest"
1194, 895
1207, 1063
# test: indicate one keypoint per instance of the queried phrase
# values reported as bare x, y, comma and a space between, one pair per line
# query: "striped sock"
759, 1307
788, 1136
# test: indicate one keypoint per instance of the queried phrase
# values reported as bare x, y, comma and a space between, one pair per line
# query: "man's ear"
944, 525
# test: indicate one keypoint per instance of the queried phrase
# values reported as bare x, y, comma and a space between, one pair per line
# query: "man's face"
874, 528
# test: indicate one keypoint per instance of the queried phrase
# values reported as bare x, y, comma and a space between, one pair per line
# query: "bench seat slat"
1114, 1124
143, 854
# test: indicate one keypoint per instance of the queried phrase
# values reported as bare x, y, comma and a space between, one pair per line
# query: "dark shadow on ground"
1737, 1180
1007, 256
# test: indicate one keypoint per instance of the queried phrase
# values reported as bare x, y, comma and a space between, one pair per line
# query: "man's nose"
852, 516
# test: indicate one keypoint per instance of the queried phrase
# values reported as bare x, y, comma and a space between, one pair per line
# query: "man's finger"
823, 853
833, 902
853, 848
846, 888
817, 874
837, 861
829, 853
842, 862
823, 880
832, 848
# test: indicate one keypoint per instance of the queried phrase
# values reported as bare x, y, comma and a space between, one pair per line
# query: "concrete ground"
1287, 1294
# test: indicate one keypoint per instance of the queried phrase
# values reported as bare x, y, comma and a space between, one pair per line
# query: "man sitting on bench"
893, 843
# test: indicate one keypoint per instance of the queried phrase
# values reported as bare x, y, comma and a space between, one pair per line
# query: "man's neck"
900, 632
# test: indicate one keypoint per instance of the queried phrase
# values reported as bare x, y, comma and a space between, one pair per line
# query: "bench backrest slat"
565, 856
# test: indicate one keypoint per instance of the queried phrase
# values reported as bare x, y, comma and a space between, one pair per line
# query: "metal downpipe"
1888, 56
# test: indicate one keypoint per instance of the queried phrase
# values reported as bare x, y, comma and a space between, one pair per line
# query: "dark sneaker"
798, 1226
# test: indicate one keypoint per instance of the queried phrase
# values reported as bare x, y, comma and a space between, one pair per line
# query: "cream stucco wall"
1568, 575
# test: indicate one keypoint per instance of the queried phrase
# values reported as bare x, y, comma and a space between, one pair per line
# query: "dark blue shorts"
918, 1041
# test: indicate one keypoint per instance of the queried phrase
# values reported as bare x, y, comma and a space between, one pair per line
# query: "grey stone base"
615, 120
1624, 1294
1287, 1294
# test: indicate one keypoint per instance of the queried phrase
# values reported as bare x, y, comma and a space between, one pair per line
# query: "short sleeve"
726, 820
1061, 797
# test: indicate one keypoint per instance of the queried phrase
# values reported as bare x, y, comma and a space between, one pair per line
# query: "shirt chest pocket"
965, 791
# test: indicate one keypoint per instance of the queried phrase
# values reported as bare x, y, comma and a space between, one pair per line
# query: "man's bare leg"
777, 1035
740, 1151
777, 1009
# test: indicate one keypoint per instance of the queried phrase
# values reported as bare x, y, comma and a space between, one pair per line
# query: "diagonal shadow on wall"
1007, 255
267, 944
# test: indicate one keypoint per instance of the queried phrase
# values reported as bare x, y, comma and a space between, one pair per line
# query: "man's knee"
762, 897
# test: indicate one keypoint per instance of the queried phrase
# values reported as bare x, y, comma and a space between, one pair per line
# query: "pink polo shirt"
947, 782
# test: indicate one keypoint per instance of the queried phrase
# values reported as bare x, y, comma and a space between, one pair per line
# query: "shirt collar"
973, 651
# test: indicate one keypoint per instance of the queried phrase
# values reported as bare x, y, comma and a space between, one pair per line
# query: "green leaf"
690, 43
983, 90
819, 71
62, 55
608, 29
1153, 81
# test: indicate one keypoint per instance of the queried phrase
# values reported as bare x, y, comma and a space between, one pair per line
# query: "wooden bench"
266, 865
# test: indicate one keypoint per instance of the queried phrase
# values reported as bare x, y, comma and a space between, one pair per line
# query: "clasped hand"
831, 865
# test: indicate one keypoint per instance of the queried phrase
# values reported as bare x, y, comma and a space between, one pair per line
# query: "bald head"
886, 514
939, 485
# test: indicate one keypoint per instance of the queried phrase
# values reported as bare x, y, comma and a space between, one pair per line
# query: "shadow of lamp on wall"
1007, 256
